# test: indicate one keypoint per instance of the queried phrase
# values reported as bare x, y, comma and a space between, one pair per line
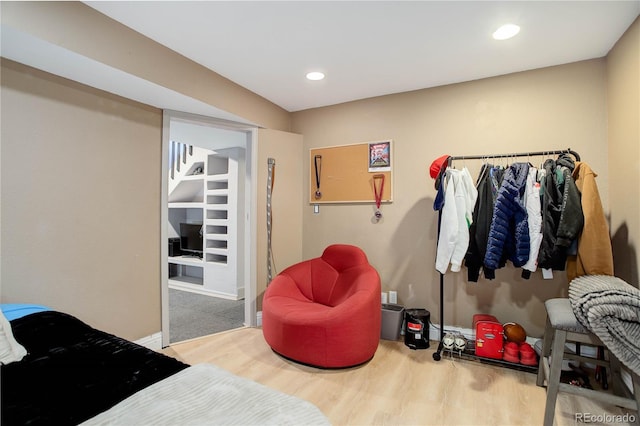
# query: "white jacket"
459, 200
534, 217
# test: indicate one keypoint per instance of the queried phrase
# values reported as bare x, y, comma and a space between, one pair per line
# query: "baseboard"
434, 331
178, 285
153, 341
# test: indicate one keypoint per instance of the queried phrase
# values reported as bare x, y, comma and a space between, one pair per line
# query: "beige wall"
85, 239
286, 216
80, 201
546, 109
48, 120
623, 92
81, 29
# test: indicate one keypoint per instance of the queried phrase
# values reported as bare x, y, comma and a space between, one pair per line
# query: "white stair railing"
178, 154
183, 159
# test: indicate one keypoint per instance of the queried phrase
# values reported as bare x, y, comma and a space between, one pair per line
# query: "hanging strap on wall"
378, 189
317, 165
271, 165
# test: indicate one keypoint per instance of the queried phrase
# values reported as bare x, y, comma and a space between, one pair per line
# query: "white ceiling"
373, 48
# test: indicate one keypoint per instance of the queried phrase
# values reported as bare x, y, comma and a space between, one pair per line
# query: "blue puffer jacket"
509, 233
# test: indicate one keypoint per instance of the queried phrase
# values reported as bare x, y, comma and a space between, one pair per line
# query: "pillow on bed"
13, 311
10, 349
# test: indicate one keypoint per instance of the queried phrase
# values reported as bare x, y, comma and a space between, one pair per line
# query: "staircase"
186, 164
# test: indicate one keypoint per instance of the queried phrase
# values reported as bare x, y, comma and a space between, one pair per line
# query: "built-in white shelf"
186, 260
195, 178
185, 279
186, 205
210, 198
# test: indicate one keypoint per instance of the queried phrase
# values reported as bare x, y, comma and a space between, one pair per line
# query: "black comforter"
73, 372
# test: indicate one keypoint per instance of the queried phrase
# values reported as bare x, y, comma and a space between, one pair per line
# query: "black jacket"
489, 181
562, 218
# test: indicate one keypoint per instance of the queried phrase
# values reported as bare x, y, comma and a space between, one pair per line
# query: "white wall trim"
251, 171
152, 341
251, 224
164, 215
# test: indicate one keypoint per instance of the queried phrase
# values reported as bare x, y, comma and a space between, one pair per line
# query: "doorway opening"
206, 223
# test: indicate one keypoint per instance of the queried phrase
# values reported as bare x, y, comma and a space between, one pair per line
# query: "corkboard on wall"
345, 174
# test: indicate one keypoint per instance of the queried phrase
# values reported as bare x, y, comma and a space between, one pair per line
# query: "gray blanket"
610, 308
204, 394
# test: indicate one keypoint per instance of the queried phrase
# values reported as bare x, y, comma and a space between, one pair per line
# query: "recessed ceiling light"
506, 31
315, 75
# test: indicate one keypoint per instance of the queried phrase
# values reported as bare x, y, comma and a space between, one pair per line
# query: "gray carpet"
193, 315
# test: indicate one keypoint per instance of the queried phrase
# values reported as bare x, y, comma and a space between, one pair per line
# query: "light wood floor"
398, 386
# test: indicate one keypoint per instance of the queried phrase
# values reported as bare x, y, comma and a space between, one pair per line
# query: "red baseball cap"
438, 165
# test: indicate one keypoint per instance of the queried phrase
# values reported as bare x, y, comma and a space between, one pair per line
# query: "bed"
70, 373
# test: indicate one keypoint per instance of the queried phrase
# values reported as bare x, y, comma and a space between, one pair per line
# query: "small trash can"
416, 328
391, 321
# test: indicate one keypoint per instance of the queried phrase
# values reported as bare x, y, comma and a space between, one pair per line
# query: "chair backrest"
344, 256
340, 272
331, 278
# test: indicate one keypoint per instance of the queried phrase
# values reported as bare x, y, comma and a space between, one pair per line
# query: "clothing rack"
520, 154
437, 353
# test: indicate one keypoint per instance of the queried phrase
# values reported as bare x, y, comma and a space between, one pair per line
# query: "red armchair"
326, 311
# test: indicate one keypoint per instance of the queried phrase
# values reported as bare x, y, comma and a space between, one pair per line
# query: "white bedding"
207, 395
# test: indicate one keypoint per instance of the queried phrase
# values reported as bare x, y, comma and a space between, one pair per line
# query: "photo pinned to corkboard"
351, 173
380, 156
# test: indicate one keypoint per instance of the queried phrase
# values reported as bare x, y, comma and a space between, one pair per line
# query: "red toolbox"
489, 336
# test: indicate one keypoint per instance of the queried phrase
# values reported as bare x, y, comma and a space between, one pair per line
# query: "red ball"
514, 332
